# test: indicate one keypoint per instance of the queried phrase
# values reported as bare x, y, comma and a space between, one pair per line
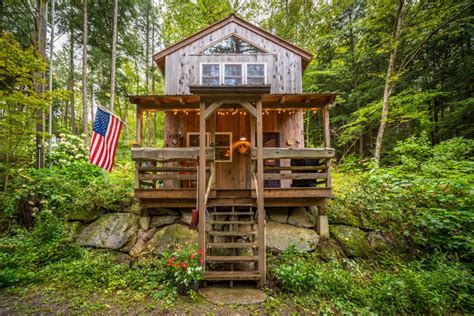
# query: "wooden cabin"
239, 88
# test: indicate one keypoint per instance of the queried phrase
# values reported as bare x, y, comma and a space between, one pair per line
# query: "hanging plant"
243, 146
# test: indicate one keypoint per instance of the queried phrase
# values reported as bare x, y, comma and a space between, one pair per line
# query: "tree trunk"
84, 77
388, 81
71, 80
114, 56
40, 39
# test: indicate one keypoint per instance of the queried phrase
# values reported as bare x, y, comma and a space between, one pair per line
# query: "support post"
139, 118
322, 227
252, 143
202, 178
260, 198
213, 144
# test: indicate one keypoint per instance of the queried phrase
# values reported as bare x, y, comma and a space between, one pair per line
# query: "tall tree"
84, 76
40, 39
387, 91
114, 56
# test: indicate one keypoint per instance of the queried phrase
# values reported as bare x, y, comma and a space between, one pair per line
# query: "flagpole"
105, 110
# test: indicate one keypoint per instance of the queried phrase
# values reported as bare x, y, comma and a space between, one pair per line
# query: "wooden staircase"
232, 247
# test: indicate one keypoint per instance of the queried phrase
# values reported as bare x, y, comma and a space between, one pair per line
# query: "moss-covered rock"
85, 215
329, 250
301, 218
169, 236
117, 231
352, 239
280, 236
278, 214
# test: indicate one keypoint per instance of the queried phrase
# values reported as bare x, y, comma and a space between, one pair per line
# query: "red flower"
201, 252
201, 260
184, 265
170, 262
192, 256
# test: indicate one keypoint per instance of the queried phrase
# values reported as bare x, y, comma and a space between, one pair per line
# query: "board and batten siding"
183, 66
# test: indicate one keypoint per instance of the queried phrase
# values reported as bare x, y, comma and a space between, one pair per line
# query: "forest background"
402, 127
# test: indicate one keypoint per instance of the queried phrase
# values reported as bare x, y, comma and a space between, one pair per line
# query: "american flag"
105, 136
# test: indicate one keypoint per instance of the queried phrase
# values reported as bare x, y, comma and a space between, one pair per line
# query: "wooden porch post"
260, 198
202, 177
322, 223
139, 121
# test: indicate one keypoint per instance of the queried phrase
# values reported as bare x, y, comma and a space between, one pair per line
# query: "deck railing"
167, 167
287, 172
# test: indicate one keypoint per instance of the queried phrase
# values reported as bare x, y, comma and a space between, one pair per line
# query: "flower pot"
183, 289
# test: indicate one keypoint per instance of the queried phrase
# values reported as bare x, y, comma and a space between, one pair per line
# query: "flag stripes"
105, 136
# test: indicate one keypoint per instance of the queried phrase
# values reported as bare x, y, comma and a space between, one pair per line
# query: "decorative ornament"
243, 146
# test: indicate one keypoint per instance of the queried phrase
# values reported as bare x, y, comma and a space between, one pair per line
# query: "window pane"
210, 81
233, 81
256, 80
233, 45
255, 70
210, 70
233, 70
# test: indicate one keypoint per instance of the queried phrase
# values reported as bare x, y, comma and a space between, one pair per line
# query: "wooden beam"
170, 153
202, 180
327, 141
167, 176
295, 153
212, 108
260, 199
296, 168
165, 193
250, 108
252, 143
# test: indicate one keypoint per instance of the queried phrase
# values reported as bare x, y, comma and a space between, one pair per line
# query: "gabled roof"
159, 57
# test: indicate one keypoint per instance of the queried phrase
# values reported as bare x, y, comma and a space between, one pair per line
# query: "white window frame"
222, 70
188, 136
210, 63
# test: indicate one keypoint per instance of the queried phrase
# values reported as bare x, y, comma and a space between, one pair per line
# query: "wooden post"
213, 144
253, 144
202, 178
260, 198
322, 226
139, 117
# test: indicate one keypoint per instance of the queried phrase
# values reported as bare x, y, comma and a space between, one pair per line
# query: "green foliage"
425, 200
435, 286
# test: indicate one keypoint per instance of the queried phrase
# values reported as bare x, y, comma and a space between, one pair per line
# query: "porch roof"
296, 101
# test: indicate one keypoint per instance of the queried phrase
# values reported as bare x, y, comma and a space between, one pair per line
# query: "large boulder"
329, 250
142, 238
352, 239
85, 215
169, 236
117, 231
278, 214
301, 218
280, 236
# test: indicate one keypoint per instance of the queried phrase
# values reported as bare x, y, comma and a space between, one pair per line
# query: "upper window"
210, 74
232, 74
232, 45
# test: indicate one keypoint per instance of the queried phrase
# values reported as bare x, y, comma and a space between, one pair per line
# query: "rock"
88, 215
313, 211
135, 208
186, 216
158, 221
378, 241
301, 218
278, 214
338, 214
329, 250
169, 236
144, 222
142, 238
233, 296
280, 236
352, 240
113, 231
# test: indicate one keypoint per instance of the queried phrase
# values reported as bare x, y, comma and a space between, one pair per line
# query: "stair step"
231, 275
231, 222
230, 233
231, 258
233, 213
232, 245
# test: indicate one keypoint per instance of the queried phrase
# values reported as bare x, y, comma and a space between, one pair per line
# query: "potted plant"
184, 266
